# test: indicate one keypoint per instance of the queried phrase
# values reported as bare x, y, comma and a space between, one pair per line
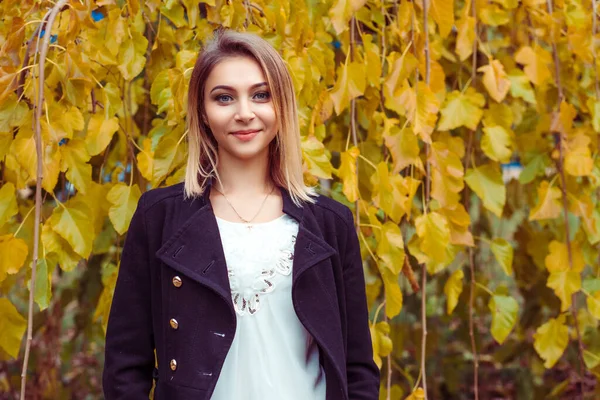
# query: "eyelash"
220, 97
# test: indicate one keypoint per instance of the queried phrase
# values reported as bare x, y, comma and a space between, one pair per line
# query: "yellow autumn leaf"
563, 121
453, 288
425, 112
404, 148
99, 133
594, 107
382, 344
390, 247
557, 259
417, 394
442, 12
466, 32
578, 158
145, 159
459, 222
497, 143
12, 328
103, 306
13, 253
351, 82
71, 220
74, 161
317, 157
8, 202
462, 109
167, 154
504, 311
434, 232
564, 280
347, 171
548, 205
132, 55
341, 12
495, 80
62, 123
593, 304
393, 295
486, 182
59, 248
551, 340
536, 63
446, 174
503, 252
123, 200
583, 207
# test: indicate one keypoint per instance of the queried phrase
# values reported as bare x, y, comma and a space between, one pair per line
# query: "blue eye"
223, 98
263, 95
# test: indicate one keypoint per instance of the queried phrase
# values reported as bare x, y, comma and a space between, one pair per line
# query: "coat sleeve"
129, 352
362, 372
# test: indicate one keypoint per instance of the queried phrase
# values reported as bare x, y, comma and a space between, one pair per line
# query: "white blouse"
272, 356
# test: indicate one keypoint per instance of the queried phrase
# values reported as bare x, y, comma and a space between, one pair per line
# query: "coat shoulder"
331, 207
157, 195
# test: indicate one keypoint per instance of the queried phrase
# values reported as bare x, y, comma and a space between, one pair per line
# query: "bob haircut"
285, 155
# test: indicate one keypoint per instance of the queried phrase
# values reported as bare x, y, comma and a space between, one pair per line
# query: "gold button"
173, 364
174, 324
177, 281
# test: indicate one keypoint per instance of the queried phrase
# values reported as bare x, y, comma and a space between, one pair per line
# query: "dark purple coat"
173, 267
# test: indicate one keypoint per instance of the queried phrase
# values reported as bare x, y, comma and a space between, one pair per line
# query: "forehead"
237, 72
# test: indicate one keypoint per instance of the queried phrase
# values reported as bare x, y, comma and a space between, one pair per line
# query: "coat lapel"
196, 250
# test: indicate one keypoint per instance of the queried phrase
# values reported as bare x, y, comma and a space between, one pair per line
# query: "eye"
262, 95
223, 98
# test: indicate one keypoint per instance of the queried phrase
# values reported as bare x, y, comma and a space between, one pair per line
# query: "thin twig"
426, 205
38, 187
563, 188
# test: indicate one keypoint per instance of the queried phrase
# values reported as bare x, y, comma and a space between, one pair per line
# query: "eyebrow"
233, 89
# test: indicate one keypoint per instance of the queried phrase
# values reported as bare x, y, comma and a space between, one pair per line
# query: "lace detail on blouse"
257, 259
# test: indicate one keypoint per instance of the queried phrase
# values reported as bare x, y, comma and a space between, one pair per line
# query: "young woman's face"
239, 109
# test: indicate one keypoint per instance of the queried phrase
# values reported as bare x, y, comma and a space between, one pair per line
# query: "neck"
245, 177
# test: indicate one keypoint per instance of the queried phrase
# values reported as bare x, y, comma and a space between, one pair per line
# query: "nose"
244, 111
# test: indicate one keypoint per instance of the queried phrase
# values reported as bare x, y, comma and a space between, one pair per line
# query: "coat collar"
196, 250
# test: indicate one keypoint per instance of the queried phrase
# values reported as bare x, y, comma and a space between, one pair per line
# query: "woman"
240, 283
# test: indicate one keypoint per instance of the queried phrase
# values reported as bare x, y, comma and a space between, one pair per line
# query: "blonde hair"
285, 154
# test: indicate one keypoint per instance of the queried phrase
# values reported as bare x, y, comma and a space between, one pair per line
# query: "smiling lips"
245, 135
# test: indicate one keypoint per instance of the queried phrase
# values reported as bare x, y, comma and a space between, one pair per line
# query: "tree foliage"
418, 127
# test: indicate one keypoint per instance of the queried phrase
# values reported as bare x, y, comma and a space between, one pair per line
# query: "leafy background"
465, 142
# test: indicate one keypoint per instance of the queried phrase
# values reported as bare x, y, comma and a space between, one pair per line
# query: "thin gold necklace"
247, 221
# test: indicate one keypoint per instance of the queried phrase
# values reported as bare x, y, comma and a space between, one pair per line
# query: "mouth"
246, 132
246, 135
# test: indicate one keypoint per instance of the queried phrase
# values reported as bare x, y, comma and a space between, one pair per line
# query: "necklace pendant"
249, 227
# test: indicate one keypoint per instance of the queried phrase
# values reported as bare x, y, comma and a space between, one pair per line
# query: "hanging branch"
353, 118
38, 185
560, 168
467, 194
426, 204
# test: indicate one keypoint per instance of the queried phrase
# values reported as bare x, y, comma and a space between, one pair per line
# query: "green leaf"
535, 167
13, 253
486, 182
551, 340
43, 284
453, 288
12, 328
503, 252
124, 200
504, 316
520, 86
8, 202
